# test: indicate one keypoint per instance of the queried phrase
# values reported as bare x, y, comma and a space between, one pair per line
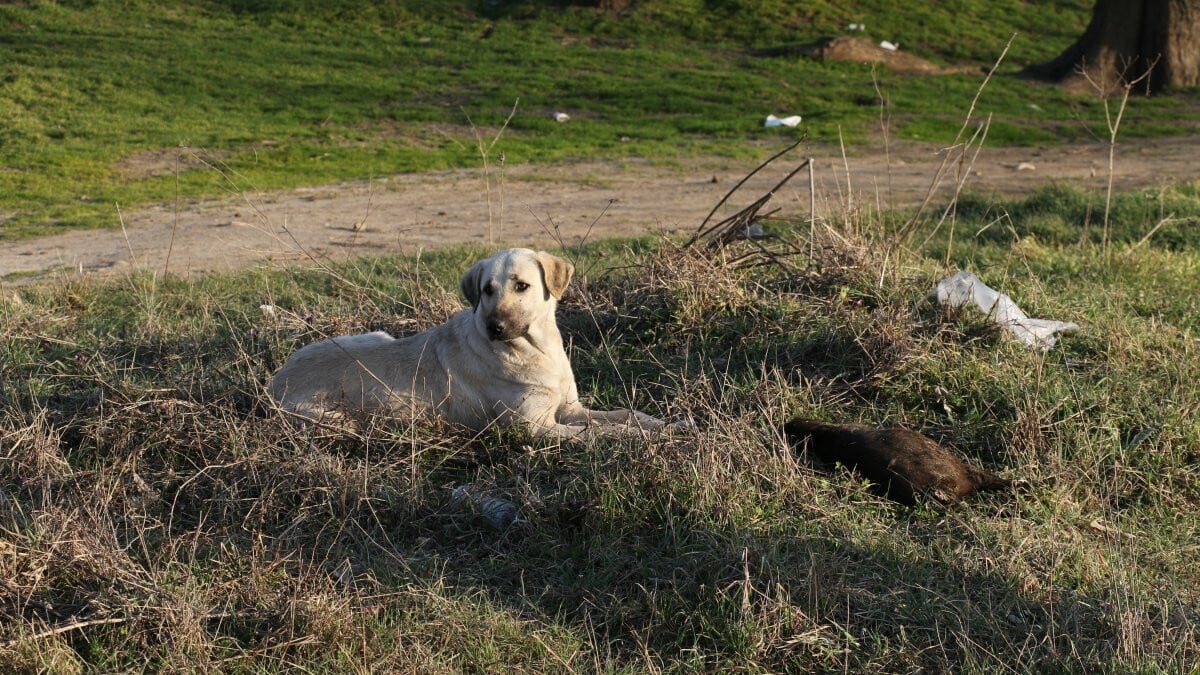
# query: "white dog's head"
514, 290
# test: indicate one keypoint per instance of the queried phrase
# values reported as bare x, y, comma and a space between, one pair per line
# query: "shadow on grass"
663, 585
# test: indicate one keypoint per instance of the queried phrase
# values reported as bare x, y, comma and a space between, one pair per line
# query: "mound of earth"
862, 50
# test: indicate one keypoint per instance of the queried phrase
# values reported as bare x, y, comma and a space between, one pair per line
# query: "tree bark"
1127, 39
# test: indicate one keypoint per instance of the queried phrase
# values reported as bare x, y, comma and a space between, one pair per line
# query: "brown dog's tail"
798, 429
986, 480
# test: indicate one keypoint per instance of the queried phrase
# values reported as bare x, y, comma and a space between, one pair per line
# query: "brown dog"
900, 463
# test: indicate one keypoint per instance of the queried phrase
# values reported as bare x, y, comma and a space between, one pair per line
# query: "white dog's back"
371, 372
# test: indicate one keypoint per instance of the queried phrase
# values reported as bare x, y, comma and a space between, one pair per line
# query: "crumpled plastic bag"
965, 288
789, 121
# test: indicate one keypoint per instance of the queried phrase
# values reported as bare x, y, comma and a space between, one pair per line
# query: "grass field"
156, 512
107, 103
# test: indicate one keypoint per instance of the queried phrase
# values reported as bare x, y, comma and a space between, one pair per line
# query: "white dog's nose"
495, 329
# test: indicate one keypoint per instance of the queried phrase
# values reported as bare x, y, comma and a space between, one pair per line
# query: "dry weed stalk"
1113, 124
485, 152
174, 221
740, 226
885, 124
964, 170
956, 154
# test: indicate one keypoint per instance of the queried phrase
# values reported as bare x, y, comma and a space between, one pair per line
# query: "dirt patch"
169, 161
158, 162
545, 205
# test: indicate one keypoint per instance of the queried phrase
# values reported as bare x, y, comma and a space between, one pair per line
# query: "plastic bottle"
498, 513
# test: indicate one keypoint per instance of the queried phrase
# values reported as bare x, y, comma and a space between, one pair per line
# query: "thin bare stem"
812, 211
174, 221
884, 124
1114, 126
846, 166
485, 154
1165, 221
951, 210
125, 233
937, 178
361, 224
65, 628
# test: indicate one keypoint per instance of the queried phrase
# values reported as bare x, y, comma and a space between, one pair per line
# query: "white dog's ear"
556, 272
470, 284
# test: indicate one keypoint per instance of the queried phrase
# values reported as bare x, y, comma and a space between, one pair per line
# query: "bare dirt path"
537, 205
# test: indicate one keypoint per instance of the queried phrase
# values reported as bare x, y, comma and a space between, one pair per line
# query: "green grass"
145, 480
287, 94
154, 505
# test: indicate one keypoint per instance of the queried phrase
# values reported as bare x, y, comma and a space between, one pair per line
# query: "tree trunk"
1127, 39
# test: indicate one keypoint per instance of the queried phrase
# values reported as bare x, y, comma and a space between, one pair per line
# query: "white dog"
501, 361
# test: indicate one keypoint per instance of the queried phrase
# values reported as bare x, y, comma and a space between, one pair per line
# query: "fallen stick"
63, 628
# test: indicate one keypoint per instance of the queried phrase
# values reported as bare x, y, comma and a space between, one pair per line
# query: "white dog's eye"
489, 289
521, 286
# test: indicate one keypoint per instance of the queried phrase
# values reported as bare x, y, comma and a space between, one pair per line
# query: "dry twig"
740, 226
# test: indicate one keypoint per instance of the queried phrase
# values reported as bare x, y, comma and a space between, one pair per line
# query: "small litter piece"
1107, 531
560, 116
966, 288
790, 121
498, 513
1026, 166
890, 46
753, 231
858, 26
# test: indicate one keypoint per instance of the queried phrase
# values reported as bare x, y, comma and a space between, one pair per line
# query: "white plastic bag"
966, 288
790, 121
